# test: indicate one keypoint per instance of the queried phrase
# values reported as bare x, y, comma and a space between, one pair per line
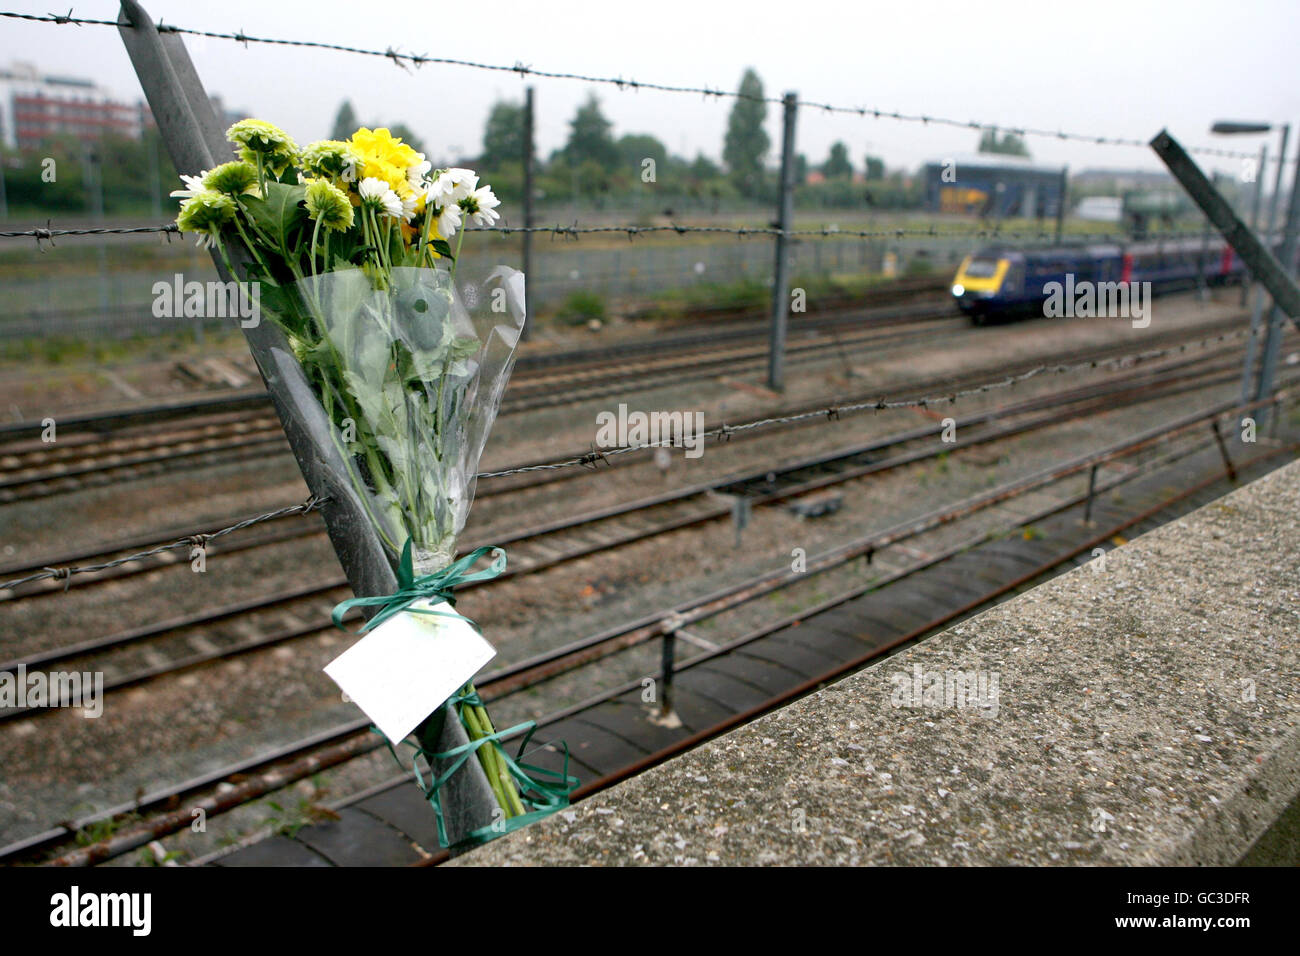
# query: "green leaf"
440, 246
277, 214
360, 254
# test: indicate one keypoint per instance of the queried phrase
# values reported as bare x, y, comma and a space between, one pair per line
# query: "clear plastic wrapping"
412, 380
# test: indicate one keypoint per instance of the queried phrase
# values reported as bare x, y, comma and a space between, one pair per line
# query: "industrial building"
993, 186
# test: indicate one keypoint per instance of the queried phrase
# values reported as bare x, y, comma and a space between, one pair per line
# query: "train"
1002, 282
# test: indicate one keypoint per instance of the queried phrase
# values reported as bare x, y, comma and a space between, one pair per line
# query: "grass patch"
72, 350
581, 307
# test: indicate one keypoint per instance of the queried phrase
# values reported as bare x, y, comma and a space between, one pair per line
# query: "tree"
590, 139
503, 135
837, 164
875, 168
703, 168
635, 148
800, 169
746, 142
345, 121
1009, 144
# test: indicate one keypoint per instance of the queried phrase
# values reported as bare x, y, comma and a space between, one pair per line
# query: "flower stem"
315, 234
479, 725
460, 237
486, 754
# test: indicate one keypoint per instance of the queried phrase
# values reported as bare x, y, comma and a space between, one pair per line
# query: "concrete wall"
1146, 713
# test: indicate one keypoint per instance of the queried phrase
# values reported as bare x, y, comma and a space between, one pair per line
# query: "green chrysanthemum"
330, 158
206, 213
329, 205
258, 139
236, 178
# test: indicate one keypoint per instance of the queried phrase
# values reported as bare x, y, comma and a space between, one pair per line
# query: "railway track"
41, 481
666, 513
610, 735
113, 446
547, 545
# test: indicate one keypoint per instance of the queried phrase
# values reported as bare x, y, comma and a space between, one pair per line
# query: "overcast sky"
1101, 67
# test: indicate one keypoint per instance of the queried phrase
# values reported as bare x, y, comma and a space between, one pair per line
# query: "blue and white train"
1001, 281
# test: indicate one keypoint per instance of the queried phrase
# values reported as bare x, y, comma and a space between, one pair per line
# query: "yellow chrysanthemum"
384, 157
381, 145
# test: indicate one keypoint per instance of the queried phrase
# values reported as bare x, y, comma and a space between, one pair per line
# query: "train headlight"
959, 290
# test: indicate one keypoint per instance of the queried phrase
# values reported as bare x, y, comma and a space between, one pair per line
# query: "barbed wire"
835, 232
833, 411
573, 231
521, 69
593, 458
48, 234
198, 540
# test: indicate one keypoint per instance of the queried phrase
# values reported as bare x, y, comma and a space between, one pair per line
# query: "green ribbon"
543, 798
410, 589
546, 797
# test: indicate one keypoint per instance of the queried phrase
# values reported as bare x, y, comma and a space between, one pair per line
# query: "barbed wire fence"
632, 231
521, 69
781, 231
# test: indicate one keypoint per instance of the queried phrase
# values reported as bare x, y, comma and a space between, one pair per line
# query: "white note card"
407, 667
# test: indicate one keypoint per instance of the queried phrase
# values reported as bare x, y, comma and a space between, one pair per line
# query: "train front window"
982, 268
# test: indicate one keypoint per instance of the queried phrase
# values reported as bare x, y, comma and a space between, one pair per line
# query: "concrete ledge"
1145, 714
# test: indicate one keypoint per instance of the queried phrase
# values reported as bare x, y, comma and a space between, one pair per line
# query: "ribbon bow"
549, 789
410, 589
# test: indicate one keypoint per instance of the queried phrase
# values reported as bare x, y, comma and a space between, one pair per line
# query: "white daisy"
480, 206
408, 208
460, 182
194, 184
379, 196
448, 219
437, 197
440, 190
415, 174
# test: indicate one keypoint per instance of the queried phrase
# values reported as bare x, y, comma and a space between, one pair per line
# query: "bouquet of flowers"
351, 245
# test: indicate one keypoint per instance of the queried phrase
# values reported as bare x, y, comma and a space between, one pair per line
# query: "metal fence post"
1273, 334
1257, 309
785, 216
1092, 490
1202, 282
1223, 450
667, 667
1237, 234
1255, 202
528, 209
1060, 203
192, 133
